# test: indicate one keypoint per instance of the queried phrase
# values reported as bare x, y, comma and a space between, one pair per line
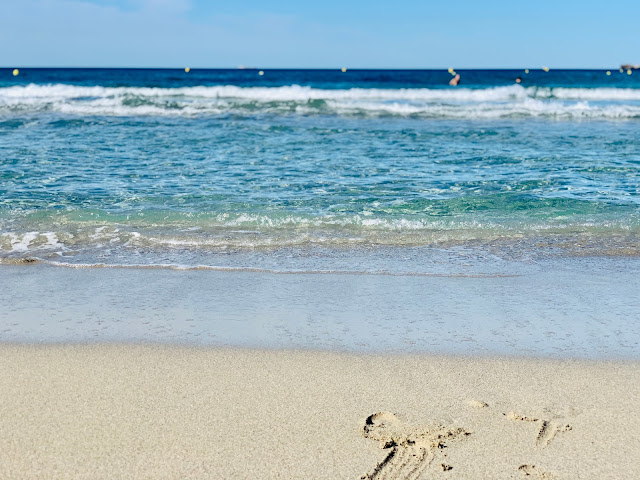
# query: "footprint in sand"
411, 448
548, 428
532, 471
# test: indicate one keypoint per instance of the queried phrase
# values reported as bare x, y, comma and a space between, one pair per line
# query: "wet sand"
127, 411
548, 311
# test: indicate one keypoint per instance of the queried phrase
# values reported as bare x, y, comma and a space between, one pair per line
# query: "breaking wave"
62, 238
497, 102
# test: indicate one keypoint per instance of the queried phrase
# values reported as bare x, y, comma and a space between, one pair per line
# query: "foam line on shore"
32, 260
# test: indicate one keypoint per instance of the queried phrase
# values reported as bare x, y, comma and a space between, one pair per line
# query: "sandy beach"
126, 411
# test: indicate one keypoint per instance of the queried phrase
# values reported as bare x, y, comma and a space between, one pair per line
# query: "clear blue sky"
324, 33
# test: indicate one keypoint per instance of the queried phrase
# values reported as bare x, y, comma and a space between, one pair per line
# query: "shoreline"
546, 312
139, 411
611, 361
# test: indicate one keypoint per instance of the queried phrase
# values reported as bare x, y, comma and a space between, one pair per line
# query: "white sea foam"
495, 102
24, 242
264, 231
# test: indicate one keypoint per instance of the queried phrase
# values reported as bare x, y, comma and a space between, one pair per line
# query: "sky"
321, 34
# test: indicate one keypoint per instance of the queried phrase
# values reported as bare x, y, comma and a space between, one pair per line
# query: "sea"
356, 205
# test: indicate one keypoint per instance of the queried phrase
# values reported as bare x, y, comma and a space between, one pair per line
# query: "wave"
496, 102
473, 257
249, 232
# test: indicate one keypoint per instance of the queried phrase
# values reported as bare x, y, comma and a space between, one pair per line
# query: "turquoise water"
368, 171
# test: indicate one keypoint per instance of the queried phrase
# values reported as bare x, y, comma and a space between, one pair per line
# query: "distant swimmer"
455, 80
518, 79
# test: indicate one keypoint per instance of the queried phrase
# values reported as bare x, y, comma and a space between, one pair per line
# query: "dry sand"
123, 411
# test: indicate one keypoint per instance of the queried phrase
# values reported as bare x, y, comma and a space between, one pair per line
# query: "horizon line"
301, 68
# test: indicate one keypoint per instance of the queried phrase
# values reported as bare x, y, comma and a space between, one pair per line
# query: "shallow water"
365, 210
582, 308
159, 166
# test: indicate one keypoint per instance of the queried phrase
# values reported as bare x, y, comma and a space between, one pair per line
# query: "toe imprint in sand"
532, 471
411, 448
548, 428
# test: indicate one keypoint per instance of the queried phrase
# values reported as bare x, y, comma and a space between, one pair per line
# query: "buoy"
452, 71
187, 70
15, 72
629, 72
621, 70
526, 70
343, 69
608, 72
260, 72
546, 69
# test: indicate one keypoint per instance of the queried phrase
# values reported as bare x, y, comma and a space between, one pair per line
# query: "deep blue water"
317, 169
324, 79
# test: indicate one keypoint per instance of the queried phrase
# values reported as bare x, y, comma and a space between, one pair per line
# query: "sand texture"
124, 411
